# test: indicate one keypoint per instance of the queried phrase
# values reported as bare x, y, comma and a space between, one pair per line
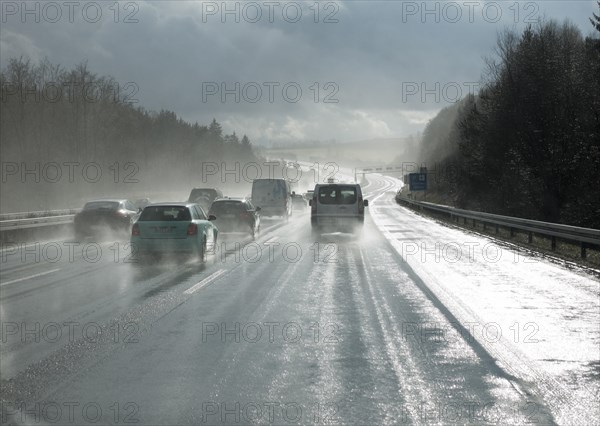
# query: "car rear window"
104, 205
273, 187
221, 207
165, 213
336, 194
197, 193
200, 213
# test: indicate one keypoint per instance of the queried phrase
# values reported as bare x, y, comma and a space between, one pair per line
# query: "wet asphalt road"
287, 329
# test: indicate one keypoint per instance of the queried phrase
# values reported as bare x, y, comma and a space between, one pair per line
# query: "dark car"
101, 215
204, 196
212, 193
236, 215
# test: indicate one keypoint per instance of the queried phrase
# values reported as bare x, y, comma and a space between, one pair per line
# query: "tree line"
528, 144
57, 116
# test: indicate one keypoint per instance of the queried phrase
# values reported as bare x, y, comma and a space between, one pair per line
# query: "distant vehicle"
106, 214
337, 206
236, 215
298, 202
398, 196
204, 196
273, 196
308, 194
140, 203
173, 228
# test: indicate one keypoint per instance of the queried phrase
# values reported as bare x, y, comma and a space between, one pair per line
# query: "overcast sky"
375, 69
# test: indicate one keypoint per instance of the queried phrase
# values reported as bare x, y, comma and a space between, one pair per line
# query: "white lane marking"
205, 281
22, 268
29, 277
270, 240
16, 246
21, 246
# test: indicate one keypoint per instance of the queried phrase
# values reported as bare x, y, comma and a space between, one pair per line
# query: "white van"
273, 196
337, 206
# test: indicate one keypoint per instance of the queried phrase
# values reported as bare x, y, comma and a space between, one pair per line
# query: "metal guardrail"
26, 220
35, 222
584, 236
37, 214
45, 218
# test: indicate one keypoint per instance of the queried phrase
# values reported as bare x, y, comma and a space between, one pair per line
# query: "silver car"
338, 207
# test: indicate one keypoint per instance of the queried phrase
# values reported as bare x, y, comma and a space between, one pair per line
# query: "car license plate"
163, 229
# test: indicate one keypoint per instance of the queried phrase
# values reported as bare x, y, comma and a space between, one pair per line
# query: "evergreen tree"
595, 20
97, 126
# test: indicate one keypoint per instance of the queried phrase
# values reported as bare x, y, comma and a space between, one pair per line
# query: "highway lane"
53, 292
535, 315
287, 329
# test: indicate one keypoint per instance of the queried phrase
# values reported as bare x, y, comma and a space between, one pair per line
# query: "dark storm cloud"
381, 70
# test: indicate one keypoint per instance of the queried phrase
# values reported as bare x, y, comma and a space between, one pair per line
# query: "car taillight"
313, 205
361, 205
135, 230
192, 229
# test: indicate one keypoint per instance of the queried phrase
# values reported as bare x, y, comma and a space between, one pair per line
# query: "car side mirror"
212, 217
310, 203
140, 209
366, 203
257, 209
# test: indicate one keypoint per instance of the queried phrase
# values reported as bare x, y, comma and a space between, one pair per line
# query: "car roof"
238, 199
338, 184
115, 200
173, 204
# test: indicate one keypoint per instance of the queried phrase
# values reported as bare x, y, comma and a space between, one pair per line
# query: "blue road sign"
417, 181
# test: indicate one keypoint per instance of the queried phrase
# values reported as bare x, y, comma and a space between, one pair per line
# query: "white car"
273, 196
337, 207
